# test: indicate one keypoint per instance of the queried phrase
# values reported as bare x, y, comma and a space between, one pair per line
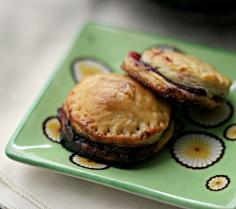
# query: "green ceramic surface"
161, 178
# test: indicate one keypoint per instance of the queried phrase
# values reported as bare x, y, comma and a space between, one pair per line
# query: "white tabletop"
34, 37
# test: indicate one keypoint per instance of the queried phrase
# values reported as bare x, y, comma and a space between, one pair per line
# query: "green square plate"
167, 177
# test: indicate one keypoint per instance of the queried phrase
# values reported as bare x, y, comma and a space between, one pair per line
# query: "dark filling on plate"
197, 91
102, 153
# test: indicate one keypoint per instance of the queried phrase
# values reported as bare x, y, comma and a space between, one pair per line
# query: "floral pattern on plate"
83, 67
86, 163
217, 183
197, 150
230, 132
51, 129
210, 118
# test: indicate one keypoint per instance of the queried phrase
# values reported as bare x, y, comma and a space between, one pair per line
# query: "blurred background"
36, 35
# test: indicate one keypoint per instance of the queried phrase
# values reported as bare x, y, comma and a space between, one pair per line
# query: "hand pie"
179, 77
113, 119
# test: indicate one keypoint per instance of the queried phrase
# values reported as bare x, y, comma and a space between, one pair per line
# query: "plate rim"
116, 184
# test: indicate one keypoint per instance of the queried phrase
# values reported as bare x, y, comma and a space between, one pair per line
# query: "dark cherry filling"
103, 153
196, 91
135, 55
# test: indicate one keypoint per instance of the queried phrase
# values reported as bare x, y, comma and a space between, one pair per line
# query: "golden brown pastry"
115, 120
178, 76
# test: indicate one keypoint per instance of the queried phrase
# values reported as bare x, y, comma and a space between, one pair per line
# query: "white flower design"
83, 67
197, 150
210, 118
51, 128
217, 183
87, 163
230, 132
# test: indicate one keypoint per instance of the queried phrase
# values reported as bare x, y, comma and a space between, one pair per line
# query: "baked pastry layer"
178, 76
106, 153
115, 109
187, 70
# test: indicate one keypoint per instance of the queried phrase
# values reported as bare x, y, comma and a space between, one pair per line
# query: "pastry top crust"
115, 109
164, 88
187, 70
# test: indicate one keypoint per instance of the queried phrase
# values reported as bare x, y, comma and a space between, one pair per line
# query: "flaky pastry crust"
187, 70
179, 77
115, 109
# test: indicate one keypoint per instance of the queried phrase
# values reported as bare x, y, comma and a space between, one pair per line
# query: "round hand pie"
178, 76
112, 119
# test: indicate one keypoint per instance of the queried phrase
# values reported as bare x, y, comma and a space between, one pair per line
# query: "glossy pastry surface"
115, 109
